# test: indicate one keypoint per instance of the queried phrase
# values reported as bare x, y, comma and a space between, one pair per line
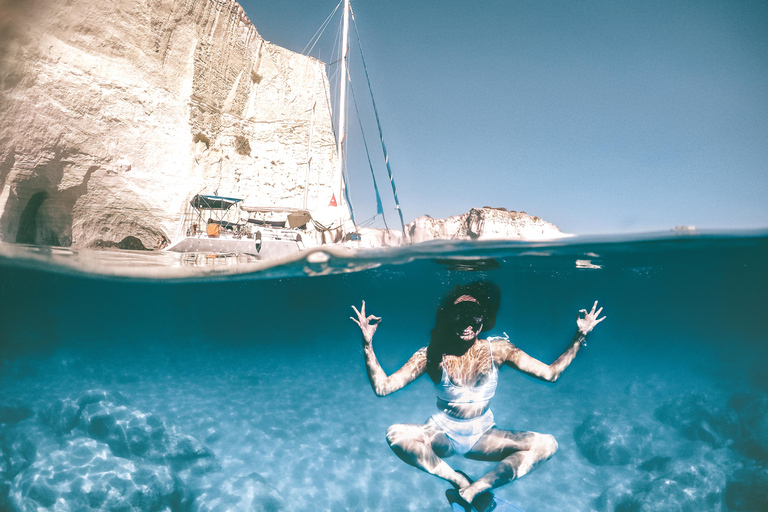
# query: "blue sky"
598, 116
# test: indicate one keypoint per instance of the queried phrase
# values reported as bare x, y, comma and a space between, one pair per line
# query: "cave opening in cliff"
28, 220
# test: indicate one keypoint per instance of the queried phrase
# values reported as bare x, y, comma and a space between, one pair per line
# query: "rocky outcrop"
97, 452
113, 114
674, 485
485, 223
84, 475
612, 440
697, 417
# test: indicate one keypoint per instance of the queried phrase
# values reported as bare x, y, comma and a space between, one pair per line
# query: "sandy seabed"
274, 430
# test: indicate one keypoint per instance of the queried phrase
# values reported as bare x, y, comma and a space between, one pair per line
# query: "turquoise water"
230, 386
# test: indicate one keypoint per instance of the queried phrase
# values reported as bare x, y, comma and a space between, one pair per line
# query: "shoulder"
503, 350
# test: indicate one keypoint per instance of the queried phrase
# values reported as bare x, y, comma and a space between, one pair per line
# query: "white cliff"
486, 223
483, 224
114, 113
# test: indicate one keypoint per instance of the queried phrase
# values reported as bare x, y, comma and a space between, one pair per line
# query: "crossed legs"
517, 454
425, 446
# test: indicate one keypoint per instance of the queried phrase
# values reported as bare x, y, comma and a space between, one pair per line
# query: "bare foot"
471, 491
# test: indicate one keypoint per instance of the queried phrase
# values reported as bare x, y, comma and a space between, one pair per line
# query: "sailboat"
226, 225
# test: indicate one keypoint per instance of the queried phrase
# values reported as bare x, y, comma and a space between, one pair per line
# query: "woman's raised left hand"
590, 320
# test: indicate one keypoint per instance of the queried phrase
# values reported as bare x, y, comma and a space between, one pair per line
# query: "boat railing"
204, 217
180, 231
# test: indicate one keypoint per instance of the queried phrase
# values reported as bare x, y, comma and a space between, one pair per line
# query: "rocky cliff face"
114, 113
483, 224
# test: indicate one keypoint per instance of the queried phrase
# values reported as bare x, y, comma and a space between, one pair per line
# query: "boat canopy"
297, 217
272, 209
213, 202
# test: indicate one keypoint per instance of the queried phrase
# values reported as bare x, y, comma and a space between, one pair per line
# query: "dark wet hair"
486, 297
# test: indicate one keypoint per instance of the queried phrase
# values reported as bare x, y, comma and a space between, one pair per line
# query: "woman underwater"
464, 369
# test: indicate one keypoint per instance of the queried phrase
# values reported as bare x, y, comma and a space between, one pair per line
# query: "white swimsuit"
464, 433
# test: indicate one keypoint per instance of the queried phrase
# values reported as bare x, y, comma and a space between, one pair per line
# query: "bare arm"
516, 358
381, 383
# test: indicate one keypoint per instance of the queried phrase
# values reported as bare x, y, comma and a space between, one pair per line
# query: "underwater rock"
130, 432
620, 497
126, 431
655, 464
142, 462
702, 481
685, 485
752, 412
612, 439
17, 452
250, 492
62, 416
99, 395
747, 490
182, 451
664, 495
13, 411
698, 419
84, 475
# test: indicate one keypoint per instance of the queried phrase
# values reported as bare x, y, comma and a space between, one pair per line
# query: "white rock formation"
483, 224
114, 113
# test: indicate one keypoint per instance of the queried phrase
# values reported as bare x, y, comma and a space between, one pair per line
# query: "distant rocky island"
486, 223
113, 115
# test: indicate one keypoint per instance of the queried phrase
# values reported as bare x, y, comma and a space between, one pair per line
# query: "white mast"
342, 100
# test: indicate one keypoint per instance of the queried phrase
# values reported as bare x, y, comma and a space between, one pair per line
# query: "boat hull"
270, 249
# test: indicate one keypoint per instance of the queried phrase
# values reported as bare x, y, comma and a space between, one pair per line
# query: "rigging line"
320, 31
336, 44
367, 222
378, 124
334, 99
329, 101
379, 207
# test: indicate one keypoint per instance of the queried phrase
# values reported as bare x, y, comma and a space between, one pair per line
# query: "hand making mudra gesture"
464, 369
